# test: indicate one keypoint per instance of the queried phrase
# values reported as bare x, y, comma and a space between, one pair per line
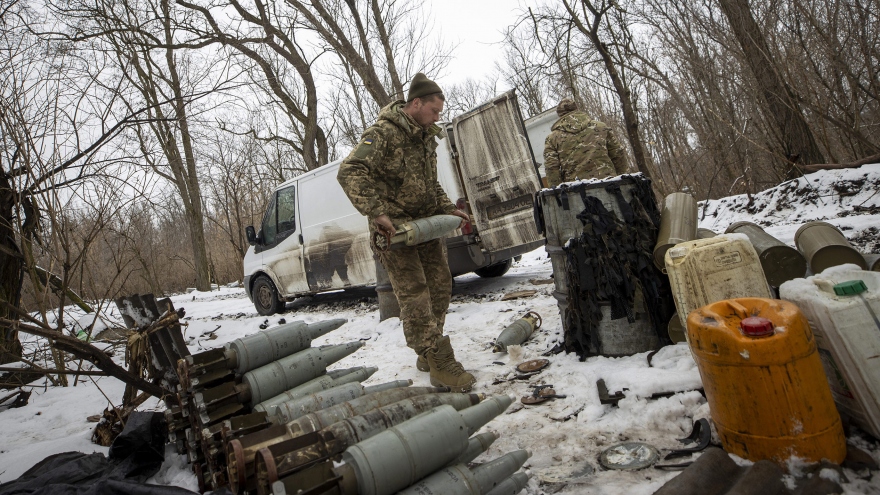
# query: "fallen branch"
88, 352
9, 369
838, 166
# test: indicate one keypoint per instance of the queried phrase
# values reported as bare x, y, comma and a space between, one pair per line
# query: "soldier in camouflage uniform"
391, 178
580, 148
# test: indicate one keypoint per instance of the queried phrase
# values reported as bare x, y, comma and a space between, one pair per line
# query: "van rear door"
498, 172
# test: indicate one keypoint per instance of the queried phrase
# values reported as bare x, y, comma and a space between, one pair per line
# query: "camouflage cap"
566, 105
421, 86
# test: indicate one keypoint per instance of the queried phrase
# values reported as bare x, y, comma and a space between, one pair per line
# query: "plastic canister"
780, 261
763, 379
678, 223
843, 306
824, 245
707, 270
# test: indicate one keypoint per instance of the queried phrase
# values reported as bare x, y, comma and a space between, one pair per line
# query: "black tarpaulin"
135, 455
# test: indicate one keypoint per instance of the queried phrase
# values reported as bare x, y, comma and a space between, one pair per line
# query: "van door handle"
301, 240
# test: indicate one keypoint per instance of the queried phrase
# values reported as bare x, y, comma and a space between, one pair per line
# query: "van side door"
280, 243
498, 172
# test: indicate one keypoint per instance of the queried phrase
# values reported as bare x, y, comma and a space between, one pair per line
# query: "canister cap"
850, 288
755, 326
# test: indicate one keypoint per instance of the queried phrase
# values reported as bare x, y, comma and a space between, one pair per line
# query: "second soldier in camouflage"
579, 147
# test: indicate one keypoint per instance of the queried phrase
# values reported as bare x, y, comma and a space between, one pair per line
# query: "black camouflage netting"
610, 261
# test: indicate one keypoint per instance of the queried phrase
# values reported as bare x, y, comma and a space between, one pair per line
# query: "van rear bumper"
465, 254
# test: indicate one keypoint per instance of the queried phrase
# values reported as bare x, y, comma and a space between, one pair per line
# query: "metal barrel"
262, 348
780, 261
678, 223
477, 444
459, 480
511, 486
824, 245
705, 233
418, 395
290, 371
283, 458
873, 262
323, 382
517, 332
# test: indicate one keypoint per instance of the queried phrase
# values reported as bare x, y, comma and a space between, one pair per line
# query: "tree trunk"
10, 272
794, 134
630, 117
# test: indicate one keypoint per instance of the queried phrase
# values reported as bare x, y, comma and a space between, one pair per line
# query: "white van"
312, 239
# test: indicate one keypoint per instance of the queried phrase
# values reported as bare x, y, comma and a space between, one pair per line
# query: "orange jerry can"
764, 381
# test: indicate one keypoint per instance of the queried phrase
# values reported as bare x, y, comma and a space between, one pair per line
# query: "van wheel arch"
265, 296
495, 270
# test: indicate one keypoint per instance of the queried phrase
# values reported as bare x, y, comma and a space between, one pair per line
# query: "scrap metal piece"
701, 435
629, 456
541, 393
518, 332
605, 397
532, 366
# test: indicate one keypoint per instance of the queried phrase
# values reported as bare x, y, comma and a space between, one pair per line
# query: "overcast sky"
476, 27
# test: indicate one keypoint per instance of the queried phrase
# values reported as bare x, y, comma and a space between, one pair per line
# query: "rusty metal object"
532, 366
518, 332
629, 456
541, 393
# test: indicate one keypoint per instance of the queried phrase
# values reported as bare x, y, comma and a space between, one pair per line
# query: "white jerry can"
704, 271
842, 305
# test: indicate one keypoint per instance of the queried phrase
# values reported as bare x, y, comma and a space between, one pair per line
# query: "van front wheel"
266, 297
496, 270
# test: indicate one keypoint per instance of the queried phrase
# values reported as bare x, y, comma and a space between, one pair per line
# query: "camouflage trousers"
422, 283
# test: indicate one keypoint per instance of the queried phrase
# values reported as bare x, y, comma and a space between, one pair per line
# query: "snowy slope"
565, 435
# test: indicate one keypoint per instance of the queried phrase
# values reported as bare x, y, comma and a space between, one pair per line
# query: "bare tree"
793, 133
54, 121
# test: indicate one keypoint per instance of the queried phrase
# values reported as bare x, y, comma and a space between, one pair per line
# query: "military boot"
422, 364
445, 370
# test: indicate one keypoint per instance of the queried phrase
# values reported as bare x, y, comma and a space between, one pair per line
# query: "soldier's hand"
464, 216
386, 228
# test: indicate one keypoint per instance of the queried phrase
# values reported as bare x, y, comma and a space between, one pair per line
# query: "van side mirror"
251, 234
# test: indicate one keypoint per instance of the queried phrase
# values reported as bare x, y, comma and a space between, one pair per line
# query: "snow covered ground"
565, 435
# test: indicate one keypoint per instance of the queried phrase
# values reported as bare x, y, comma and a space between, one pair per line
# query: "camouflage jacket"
393, 170
581, 148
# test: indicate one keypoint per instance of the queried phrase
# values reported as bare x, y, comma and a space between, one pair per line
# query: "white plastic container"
847, 330
704, 271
